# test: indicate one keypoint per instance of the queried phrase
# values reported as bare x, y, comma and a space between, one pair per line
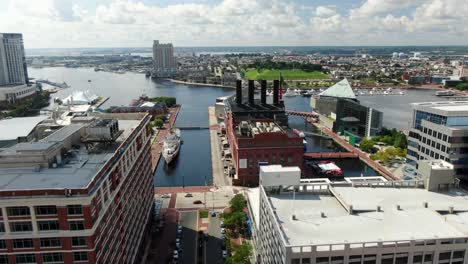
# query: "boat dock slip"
156, 145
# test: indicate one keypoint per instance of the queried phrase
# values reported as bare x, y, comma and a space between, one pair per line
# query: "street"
213, 245
188, 220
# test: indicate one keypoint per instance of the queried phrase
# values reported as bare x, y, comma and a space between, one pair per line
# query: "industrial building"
163, 58
439, 130
14, 83
365, 221
258, 134
341, 112
83, 194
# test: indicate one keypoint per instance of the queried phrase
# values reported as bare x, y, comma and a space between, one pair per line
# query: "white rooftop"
13, 128
367, 224
77, 172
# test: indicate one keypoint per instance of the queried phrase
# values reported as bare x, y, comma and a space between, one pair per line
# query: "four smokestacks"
251, 92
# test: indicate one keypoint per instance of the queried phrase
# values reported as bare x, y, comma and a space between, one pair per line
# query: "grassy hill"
265, 74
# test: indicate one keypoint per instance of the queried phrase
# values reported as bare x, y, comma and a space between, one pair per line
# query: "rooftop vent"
322, 214
379, 209
294, 217
426, 204
398, 207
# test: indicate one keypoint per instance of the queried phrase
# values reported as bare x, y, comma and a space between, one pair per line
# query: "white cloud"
71, 23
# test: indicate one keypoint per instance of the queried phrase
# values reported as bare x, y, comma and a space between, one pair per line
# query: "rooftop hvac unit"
103, 130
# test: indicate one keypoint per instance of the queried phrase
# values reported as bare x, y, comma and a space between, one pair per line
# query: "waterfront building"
439, 130
382, 222
13, 69
341, 112
83, 194
163, 59
258, 134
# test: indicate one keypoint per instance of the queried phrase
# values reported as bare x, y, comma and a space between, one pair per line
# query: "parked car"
179, 229
197, 202
166, 195
223, 231
225, 254
213, 214
176, 254
221, 224
189, 195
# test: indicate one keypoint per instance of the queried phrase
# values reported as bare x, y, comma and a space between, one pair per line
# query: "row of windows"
47, 225
54, 257
43, 210
50, 242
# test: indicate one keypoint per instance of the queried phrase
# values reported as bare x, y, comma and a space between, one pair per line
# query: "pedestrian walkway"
156, 145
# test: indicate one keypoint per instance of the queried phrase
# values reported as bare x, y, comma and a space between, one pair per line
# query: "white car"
166, 195
179, 229
176, 254
225, 254
223, 231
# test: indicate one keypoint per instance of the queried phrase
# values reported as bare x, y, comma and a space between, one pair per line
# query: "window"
18, 211
2, 227
296, 261
52, 257
21, 226
444, 255
46, 210
459, 254
76, 225
23, 243
75, 209
2, 244
3, 259
78, 241
25, 258
80, 256
50, 242
48, 225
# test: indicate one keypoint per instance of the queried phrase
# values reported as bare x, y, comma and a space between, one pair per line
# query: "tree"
367, 145
240, 254
238, 203
462, 86
158, 123
400, 141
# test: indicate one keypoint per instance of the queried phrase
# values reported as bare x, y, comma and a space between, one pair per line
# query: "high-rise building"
298, 221
439, 130
13, 69
163, 59
83, 194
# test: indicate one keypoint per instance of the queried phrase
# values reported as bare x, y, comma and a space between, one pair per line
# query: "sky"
128, 23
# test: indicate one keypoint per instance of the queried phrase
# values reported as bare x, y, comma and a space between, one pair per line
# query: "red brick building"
84, 194
258, 134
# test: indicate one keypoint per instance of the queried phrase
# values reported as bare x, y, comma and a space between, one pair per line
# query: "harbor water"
193, 165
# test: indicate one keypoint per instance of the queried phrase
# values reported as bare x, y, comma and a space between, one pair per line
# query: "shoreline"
201, 84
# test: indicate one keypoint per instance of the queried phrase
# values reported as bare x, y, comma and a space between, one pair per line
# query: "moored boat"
171, 146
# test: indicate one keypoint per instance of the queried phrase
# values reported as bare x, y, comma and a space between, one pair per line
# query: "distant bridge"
330, 155
192, 127
302, 114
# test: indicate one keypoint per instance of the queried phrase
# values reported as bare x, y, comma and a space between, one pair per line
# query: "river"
193, 166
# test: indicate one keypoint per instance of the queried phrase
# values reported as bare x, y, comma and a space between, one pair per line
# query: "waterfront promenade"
219, 179
156, 145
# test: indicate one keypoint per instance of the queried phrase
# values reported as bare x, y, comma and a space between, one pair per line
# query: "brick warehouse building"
84, 194
258, 133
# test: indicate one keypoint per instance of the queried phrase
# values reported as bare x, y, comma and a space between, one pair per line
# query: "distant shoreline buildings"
14, 81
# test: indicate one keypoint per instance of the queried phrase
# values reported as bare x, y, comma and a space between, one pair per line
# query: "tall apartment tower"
13, 69
439, 130
163, 59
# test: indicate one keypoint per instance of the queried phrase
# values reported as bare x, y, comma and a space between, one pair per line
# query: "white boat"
289, 93
171, 146
445, 93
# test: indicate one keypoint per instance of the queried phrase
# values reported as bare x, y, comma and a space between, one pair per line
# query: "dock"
156, 144
101, 101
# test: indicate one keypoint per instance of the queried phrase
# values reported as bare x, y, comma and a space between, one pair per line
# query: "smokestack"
251, 92
276, 92
263, 92
239, 92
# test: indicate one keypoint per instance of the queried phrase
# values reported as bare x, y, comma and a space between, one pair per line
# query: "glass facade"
433, 118
457, 121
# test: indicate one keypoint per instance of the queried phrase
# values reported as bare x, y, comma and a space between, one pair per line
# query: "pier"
330, 155
156, 144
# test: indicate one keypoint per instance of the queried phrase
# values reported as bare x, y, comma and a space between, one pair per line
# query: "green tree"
240, 254
367, 145
158, 123
462, 86
400, 141
238, 203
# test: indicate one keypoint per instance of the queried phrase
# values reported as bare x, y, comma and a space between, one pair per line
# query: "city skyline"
118, 23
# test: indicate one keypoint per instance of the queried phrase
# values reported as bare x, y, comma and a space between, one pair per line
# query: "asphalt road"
213, 245
189, 236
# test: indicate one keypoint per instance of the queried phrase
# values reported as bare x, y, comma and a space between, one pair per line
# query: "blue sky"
129, 23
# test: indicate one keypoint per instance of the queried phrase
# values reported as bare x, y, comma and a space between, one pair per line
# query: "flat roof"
367, 224
447, 108
13, 128
77, 172
450, 108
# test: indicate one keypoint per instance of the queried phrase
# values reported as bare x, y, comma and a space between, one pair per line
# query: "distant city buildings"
358, 221
83, 194
163, 59
439, 130
341, 112
13, 69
